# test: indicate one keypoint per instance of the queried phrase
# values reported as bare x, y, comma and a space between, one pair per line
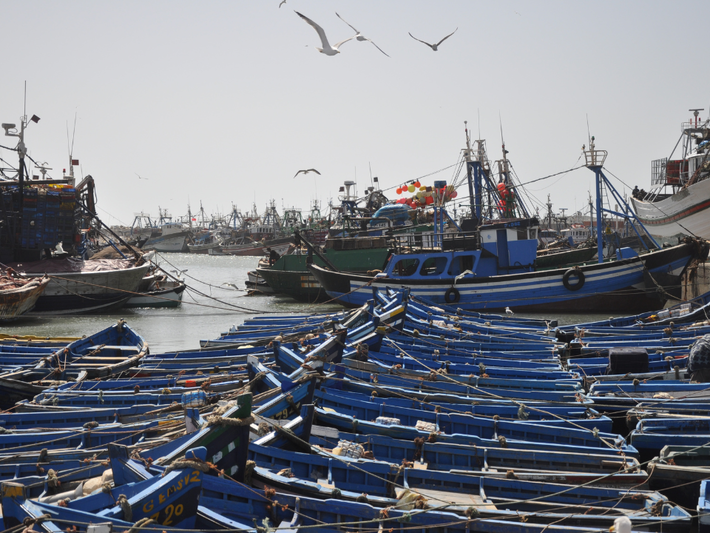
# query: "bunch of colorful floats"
400, 415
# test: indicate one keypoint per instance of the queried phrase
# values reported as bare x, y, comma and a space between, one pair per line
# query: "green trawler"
290, 276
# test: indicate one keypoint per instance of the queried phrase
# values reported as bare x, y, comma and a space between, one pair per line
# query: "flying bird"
306, 171
434, 47
327, 49
139, 176
359, 36
282, 3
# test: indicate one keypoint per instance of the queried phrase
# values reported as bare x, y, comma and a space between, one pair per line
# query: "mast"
469, 172
595, 162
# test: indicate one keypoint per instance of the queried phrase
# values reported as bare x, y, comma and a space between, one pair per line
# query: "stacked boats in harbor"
398, 415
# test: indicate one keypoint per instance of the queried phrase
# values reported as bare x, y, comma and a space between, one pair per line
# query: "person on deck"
273, 256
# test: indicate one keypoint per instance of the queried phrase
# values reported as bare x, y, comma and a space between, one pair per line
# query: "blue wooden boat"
416, 368
692, 310
170, 500
443, 414
678, 471
474, 386
224, 503
533, 465
582, 442
652, 434
322, 473
103, 354
605, 286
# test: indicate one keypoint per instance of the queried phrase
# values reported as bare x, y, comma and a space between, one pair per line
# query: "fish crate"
627, 360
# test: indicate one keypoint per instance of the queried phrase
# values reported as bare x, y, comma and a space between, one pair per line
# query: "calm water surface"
210, 306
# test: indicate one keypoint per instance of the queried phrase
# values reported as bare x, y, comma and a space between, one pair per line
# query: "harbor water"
215, 300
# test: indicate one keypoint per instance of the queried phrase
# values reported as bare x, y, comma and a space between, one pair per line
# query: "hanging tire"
573, 272
452, 296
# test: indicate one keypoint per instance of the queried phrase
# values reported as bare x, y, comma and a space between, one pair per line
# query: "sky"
176, 103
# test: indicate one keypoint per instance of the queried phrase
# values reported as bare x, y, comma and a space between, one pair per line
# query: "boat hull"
255, 249
686, 212
90, 286
295, 280
170, 296
18, 301
175, 242
619, 286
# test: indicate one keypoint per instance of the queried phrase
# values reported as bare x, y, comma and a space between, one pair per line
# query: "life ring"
580, 279
452, 296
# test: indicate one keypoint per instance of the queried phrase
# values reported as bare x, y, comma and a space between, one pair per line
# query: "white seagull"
359, 36
306, 171
508, 311
327, 49
621, 525
434, 47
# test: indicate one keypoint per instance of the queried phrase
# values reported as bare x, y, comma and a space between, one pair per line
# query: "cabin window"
522, 234
434, 266
460, 264
405, 267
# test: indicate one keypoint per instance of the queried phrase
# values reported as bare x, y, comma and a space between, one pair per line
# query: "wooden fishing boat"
103, 354
83, 286
290, 276
322, 472
158, 498
678, 471
158, 291
19, 296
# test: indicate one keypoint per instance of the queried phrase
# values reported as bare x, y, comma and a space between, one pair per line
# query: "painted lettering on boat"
283, 415
165, 516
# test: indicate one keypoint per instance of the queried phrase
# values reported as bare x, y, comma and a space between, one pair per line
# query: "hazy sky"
221, 102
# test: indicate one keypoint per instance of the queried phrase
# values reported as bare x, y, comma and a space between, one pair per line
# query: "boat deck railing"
595, 158
435, 241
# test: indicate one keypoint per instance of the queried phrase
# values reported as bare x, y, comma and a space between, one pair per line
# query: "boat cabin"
576, 234
506, 247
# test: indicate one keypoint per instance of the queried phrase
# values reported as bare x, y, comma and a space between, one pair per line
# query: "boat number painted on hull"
283, 415
168, 514
576, 273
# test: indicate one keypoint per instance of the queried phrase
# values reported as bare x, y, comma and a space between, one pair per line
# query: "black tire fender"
576, 272
452, 296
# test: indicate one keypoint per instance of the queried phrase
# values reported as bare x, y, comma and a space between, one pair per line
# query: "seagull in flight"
327, 49
139, 176
359, 36
282, 3
306, 171
434, 47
